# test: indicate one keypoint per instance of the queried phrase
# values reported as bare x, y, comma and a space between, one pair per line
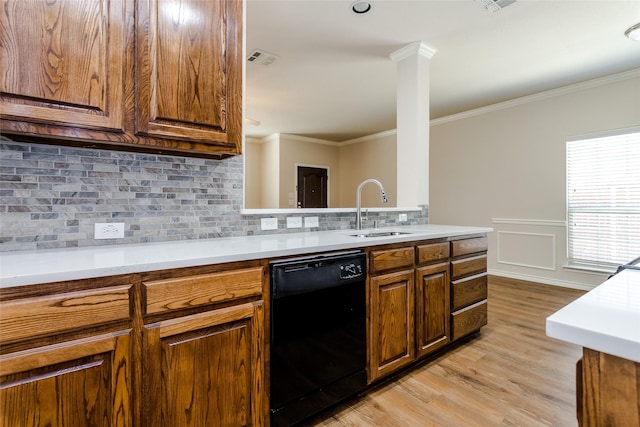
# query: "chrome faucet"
358, 202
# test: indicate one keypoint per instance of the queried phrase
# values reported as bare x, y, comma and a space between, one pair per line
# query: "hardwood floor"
511, 374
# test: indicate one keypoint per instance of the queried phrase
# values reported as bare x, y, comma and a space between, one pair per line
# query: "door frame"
295, 182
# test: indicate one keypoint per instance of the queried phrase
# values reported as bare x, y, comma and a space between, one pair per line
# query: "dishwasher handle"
313, 274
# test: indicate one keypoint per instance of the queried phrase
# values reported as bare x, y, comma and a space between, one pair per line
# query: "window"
603, 199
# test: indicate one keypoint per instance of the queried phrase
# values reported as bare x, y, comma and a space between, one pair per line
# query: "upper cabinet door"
189, 71
62, 62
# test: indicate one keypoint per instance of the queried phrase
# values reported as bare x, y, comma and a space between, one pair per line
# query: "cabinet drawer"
432, 252
468, 290
193, 291
391, 259
467, 266
51, 314
468, 320
468, 246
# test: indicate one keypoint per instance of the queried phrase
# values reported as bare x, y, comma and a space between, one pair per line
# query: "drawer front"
468, 266
468, 246
468, 320
468, 291
50, 314
391, 259
432, 252
192, 291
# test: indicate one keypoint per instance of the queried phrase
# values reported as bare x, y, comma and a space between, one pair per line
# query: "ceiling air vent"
262, 57
495, 5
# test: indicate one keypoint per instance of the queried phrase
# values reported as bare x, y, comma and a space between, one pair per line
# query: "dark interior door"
312, 187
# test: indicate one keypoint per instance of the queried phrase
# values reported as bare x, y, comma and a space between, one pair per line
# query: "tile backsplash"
51, 197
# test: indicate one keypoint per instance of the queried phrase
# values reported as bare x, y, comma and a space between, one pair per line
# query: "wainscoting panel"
535, 250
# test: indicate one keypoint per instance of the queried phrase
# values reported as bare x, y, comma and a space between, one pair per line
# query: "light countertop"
606, 319
53, 265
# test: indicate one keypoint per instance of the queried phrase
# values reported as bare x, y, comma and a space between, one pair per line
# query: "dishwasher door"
318, 335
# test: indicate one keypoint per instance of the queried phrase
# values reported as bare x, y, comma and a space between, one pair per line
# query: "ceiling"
334, 79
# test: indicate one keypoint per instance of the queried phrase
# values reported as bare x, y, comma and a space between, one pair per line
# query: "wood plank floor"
511, 374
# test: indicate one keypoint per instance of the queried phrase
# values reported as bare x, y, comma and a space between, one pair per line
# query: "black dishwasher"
318, 334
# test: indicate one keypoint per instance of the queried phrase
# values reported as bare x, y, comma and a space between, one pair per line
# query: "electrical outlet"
402, 217
268, 223
108, 230
311, 222
294, 222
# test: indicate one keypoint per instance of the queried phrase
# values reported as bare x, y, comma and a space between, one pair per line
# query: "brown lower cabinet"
432, 308
66, 355
205, 369
607, 390
416, 307
83, 382
391, 326
178, 347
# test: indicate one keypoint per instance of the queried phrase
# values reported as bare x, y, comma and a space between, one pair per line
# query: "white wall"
273, 175
504, 167
297, 151
253, 174
270, 185
370, 157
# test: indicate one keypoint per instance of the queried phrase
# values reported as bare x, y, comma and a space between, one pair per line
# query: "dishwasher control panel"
351, 270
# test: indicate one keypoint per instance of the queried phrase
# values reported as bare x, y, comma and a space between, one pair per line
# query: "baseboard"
543, 280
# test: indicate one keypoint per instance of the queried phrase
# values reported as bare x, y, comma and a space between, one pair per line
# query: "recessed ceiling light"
361, 6
633, 32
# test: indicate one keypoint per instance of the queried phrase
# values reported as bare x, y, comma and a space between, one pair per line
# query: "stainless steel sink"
380, 233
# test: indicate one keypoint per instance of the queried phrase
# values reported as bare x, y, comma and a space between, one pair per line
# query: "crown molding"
613, 78
415, 48
378, 135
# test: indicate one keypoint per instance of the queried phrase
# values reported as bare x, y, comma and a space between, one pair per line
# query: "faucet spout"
358, 199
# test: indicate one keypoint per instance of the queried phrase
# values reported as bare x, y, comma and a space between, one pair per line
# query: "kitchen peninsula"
606, 323
142, 332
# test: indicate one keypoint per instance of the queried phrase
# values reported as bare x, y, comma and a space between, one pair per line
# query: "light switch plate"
311, 222
268, 223
294, 222
402, 217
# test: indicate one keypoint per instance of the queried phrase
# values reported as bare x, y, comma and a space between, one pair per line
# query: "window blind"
603, 200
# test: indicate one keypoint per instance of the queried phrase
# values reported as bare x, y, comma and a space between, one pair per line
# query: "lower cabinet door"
84, 382
205, 369
391, 325
432, 308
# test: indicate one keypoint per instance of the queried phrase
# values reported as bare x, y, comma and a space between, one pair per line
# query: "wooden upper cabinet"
160, 76
62, 62
189, 71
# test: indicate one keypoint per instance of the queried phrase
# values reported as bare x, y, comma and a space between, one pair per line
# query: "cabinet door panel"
189, 70
63, 62
432, 308
205, 369
78, 383
391, 338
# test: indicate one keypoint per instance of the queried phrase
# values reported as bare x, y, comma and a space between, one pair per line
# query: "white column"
413, 123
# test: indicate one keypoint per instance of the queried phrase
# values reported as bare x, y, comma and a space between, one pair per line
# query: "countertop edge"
55, 265
600, 319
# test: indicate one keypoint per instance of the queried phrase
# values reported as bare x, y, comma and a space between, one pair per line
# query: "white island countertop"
54, 265
606, 319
